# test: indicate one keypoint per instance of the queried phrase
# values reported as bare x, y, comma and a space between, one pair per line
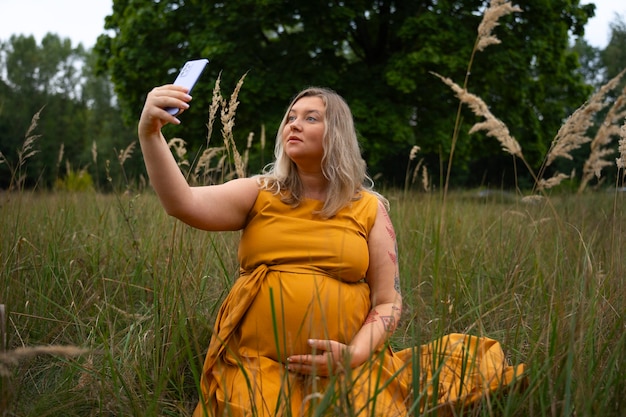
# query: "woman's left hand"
328, 357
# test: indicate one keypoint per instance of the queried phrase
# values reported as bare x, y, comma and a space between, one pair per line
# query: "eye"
291, 118
312, 119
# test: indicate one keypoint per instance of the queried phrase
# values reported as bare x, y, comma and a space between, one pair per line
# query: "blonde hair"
342, 163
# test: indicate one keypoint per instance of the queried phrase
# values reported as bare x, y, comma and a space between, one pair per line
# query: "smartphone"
187, 77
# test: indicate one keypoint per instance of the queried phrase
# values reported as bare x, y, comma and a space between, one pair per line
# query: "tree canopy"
378, 54
76, 111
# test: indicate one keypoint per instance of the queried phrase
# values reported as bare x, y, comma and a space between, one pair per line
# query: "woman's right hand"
154, 116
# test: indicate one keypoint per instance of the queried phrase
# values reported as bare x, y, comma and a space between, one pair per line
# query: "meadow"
107, 304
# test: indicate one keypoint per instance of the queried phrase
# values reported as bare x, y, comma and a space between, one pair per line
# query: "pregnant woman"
318, 294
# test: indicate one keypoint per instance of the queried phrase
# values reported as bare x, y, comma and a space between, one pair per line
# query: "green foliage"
378, 55
614, 56
74, 181
76, 108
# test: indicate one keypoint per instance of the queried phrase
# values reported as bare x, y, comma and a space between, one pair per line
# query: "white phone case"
187, 77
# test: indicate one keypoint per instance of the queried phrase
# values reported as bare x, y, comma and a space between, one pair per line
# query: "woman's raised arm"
215, 207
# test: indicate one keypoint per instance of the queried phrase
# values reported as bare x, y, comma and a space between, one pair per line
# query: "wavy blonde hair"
342, 163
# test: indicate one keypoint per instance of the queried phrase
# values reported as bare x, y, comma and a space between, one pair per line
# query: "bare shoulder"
223, 206
241, 192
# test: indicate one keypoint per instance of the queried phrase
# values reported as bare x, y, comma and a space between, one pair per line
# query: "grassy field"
109, 303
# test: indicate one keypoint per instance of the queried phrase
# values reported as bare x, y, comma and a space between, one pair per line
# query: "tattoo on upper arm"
371, 317
389, 323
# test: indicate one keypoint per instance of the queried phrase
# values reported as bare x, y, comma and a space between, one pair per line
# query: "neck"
314, 184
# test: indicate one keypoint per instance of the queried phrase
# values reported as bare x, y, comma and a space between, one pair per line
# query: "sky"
83, 20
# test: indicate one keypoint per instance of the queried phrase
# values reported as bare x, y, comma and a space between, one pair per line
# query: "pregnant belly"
292, 308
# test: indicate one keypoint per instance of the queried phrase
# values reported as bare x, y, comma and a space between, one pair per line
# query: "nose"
295, 124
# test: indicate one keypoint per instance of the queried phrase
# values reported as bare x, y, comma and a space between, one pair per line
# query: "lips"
294, 139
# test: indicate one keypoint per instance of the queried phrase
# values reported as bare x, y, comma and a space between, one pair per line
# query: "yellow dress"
301, 278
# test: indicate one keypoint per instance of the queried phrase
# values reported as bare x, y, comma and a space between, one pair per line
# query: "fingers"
327, 357
168, 96
322, 364
154, 114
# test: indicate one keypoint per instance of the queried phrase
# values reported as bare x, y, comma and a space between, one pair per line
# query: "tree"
76, 107
378, 54
614, 55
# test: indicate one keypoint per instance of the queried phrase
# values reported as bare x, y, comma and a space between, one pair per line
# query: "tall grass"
107, 304
73, 277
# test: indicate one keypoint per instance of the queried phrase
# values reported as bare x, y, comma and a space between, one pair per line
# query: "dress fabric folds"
302, 277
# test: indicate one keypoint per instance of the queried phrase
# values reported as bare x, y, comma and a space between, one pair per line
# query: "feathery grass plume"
621, 161
496, 9
178, 145
412, 155
263, 138
552, 182
94, 152
13, 357
492, 125
425, 179
246, 152
600, 144
228, 121
215, 105
202, 171
532, 199
123, 156
27, 147
23, 154
573, 134
60, 157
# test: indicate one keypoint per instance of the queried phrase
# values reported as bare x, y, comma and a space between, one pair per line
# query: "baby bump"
292, 308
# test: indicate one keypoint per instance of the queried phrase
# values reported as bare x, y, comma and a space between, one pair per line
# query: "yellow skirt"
270, 314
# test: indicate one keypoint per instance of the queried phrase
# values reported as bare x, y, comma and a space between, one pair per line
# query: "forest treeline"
71, 112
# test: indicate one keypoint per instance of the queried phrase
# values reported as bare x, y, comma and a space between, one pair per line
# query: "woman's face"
303, 132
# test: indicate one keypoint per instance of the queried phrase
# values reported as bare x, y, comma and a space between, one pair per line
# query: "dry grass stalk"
23, 154
496, 9
492, 125
3, 328
215, 105
552, 182
13, 357
203, 167
126, 153
412, 155
246, 152
179, 147
228, 122
94, 152
532, 199
621, 161
425, 179
600, 144
60, 157
27, 147
572, 135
